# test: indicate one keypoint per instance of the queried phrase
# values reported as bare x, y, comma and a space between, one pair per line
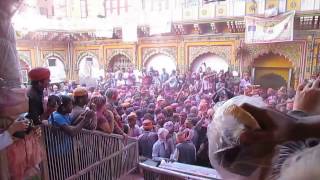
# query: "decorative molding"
147, 53
127, 52
58, 54
25, 56
291, 51
224, 52
83, 54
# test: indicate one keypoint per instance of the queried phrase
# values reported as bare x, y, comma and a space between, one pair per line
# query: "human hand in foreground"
18, 126
276, 127
307, 98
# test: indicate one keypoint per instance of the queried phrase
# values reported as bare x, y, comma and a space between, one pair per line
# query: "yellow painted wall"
182, 47
272, 60
272, 63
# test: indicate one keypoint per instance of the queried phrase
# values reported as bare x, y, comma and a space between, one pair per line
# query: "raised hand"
307, 98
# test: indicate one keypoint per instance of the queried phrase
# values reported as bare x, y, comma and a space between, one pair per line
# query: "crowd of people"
167, 113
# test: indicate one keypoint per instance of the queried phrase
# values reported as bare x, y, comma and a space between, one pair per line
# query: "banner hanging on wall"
268, 30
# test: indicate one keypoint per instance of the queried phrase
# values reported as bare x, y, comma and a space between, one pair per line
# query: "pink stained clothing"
134, 132
101, 119
23, 155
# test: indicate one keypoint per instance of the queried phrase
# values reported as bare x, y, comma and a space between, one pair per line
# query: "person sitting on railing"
162, 149
185, 151
105, 117
61, 118
81, 99
147, 139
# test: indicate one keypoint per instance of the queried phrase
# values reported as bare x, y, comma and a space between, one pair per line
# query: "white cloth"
5, 140
120, 83
245, 83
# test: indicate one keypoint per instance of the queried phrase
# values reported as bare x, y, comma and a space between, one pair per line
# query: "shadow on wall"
271, 80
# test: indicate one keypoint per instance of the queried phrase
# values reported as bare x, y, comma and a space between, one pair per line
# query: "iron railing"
90, 155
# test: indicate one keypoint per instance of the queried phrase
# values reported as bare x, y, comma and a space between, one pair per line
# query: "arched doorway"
89, 70
119, 62
24, 69
159, 62
272, 71
216, 63
57, 69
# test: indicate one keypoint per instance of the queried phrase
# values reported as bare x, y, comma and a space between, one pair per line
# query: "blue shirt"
58, 119
62, 145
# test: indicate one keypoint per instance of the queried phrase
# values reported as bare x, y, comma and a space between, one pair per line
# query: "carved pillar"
182, 64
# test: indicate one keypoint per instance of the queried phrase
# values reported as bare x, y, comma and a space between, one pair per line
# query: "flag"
316, 4
294, 5
207, 11
239, 8
190, 13
307, 5
267, 30
221, 10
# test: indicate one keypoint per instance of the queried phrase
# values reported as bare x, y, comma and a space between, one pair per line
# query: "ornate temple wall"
183, 51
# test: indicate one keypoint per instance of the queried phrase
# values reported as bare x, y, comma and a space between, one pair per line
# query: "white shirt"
5, 140
120, 83
244, 83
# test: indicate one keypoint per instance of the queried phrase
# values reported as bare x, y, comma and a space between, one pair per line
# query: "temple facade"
200, 33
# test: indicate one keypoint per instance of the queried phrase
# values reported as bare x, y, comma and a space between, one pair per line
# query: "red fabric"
23, 155
39, 73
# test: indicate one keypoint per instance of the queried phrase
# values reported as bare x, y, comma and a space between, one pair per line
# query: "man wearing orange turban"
40, 79
81, 99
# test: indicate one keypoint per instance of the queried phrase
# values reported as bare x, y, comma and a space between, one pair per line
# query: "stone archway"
160, 61
57, 68
89, 69
209, 60
275, 66
119, 62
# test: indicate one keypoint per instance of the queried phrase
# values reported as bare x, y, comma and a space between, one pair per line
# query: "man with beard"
40, 79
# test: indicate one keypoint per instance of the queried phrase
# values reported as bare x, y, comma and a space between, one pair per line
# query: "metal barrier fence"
90, 155
151, 171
